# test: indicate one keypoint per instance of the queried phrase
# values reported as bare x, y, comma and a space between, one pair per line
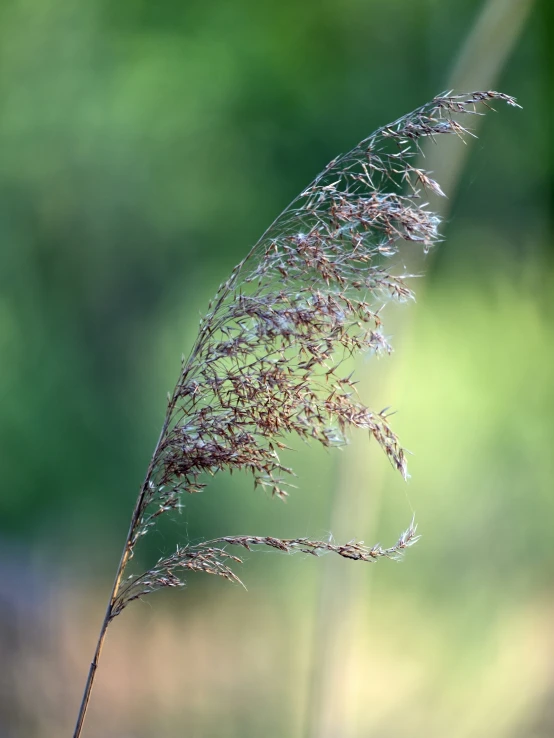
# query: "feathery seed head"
267, 359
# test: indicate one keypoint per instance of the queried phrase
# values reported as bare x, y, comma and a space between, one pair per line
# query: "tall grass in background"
341, 612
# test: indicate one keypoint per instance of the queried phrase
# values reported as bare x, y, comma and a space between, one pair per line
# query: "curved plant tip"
267, 361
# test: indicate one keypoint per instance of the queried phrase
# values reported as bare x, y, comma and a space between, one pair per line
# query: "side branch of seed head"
210, 558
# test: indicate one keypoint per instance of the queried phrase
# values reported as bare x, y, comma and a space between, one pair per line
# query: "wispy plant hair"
268, 360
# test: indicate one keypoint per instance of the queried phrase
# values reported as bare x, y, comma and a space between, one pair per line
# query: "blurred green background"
144, 147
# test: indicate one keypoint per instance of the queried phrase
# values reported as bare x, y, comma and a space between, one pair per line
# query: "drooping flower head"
267, 362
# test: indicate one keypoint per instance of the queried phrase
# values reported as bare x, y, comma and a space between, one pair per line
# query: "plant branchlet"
267, 362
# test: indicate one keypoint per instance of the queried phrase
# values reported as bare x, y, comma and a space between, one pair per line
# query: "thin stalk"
125, 556
101, 638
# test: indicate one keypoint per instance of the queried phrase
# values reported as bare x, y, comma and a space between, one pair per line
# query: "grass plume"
267, 362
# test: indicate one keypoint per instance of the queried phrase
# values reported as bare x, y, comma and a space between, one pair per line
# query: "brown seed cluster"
268, 357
